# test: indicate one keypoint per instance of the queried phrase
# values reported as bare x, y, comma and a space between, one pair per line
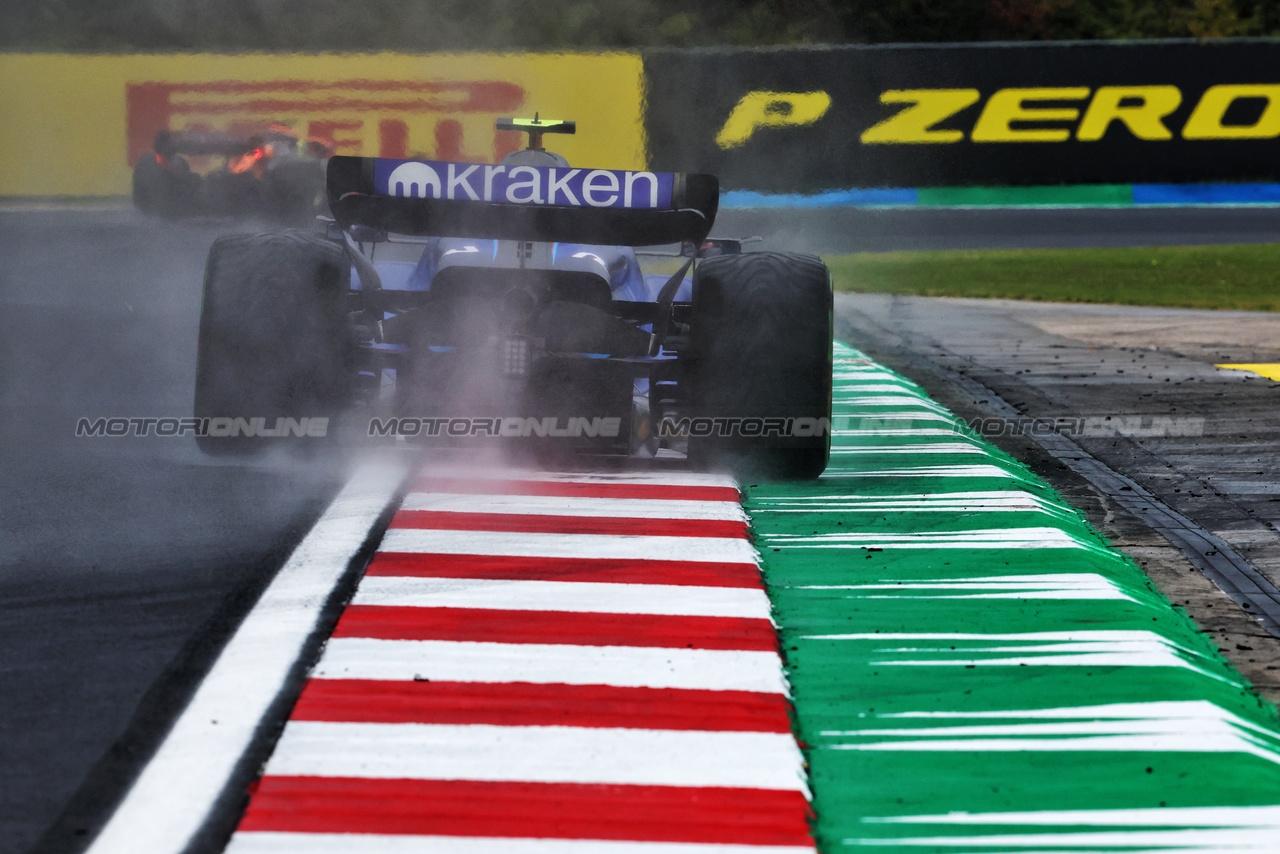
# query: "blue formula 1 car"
460, 303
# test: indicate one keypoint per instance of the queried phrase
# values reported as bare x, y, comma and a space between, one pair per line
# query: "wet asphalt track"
125, 562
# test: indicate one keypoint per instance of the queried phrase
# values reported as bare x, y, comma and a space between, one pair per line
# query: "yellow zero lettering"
1010, 105
1206, 119
771, 109
1144, 120
915, 123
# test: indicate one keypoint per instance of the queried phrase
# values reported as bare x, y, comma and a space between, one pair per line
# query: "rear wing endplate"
518, 202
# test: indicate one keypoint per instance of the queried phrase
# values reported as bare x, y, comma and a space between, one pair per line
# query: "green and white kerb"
975, 669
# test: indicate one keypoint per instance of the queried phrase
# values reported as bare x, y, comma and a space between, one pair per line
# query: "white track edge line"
172, 798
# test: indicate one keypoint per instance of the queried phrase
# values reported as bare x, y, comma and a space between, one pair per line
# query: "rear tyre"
172, 192
291, 190
274, 340
761, 335
232, 195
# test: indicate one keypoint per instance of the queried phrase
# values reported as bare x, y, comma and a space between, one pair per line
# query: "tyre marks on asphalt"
576, 663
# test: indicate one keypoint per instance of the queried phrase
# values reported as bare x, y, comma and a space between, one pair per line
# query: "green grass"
1228, 277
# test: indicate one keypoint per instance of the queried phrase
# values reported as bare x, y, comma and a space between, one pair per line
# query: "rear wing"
519, 202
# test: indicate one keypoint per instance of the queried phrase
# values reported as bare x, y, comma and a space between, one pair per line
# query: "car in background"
272, 174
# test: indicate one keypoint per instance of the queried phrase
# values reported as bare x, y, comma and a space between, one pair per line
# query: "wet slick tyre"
274, 341
173, 192
761, 336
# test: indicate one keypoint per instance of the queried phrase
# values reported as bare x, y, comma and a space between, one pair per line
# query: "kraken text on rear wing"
521, 202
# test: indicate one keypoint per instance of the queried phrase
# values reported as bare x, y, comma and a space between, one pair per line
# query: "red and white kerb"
546, 663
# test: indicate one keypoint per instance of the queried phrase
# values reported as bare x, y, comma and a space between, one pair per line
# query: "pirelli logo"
444, 119
1080, 113
1035, 114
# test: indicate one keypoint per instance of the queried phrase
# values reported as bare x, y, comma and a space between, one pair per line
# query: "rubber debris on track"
546, 663
975, 670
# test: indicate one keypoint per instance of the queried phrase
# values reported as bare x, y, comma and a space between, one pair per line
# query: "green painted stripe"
975, 669
1091, 195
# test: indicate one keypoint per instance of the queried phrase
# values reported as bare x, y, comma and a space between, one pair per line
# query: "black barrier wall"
808, 119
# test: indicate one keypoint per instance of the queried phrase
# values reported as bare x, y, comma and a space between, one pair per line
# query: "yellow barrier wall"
73, 125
